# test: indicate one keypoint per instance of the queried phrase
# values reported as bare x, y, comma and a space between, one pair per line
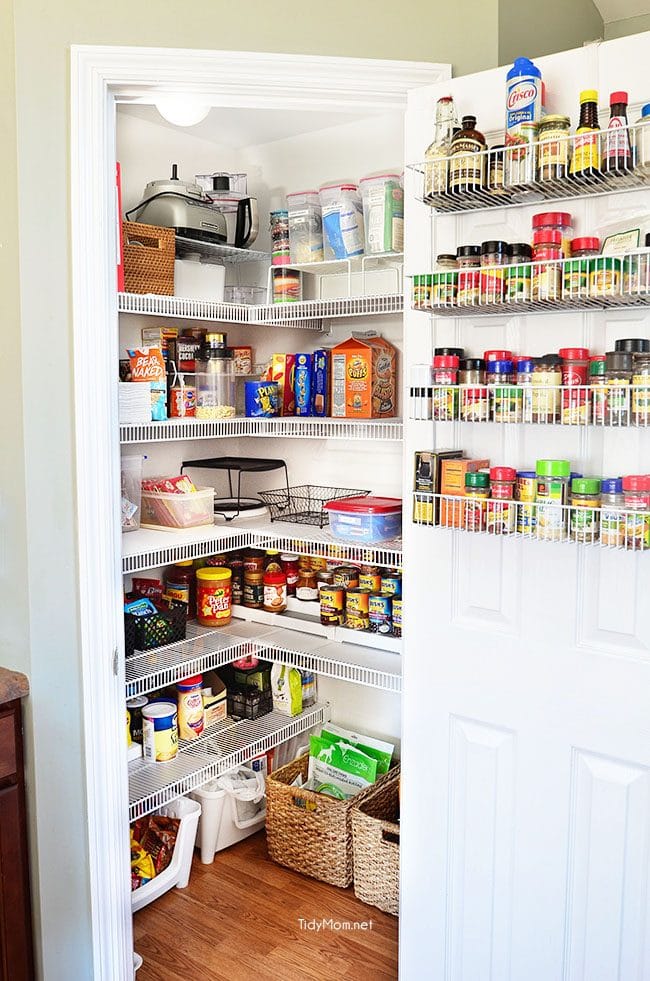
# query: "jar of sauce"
307, 585
180, 581
254, 560
469, 273
253, 590
289, 565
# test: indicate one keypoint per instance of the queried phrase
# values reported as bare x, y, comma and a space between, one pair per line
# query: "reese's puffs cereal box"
364, 379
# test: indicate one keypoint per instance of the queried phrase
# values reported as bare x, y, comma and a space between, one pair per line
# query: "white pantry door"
526, 753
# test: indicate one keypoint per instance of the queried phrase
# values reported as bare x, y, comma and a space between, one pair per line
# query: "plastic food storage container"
365, 519
177, 872
343, 235
171, 511
245, 294
131, 492
383, 213
305, 227
215, 387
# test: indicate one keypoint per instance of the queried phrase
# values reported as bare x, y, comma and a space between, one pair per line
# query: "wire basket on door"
305, 504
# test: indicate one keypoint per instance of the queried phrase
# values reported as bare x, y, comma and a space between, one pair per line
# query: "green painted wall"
631, 25
544, 28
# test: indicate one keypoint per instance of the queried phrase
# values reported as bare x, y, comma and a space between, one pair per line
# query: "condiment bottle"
289, 565
253, 589
477, 492
469, 261
553, 149
466, 160
524, 97
612, 519
275, 590
501, 511
642, 141
445, 390
584, 516
179, 583
636, 494
598, 389
307, 586
575, 373
547, 380
272, 560
617, 149
492, 279
585, 163
618, 377
552, 492
437, 153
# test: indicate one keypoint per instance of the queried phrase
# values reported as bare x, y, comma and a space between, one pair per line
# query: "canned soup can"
380, 613
357, 609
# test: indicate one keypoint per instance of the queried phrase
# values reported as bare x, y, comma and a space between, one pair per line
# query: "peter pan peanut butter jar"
213, 596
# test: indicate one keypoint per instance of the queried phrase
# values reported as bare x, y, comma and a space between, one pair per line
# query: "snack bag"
375, 748
148, 365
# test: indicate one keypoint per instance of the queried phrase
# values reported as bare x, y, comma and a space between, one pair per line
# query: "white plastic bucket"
229, 814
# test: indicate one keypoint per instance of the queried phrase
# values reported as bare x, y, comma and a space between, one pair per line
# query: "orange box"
282, 372
364, 379
452, 482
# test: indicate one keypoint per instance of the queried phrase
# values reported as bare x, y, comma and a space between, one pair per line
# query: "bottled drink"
466, 161
617, 150
437, 154
586, 152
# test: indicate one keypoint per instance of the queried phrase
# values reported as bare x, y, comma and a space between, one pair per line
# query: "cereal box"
282, 372
302, 384
320, 383
364, 379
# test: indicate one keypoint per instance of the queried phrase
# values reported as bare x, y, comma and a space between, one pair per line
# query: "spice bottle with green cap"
477, 492
597, 389
552, 496
584, 517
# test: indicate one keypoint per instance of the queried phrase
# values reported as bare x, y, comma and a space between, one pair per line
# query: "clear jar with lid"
444, 282
575, 375
577, 271
612, 517
636, 267
584, 516
606, 276
547, 268
445, 387
501, 512
505, 397
474, 401
492, 279
552, 496
519, 274
636, 494
618, 378
477, 492
525, 368
554, 148
469, 275
547, 381
556, 221
597, 389
641, 390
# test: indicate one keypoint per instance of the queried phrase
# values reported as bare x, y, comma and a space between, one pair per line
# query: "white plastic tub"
342, 220
177, 872
171, 511
383, 213
225, 819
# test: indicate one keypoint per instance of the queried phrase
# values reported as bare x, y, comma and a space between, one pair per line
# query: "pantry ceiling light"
182, 111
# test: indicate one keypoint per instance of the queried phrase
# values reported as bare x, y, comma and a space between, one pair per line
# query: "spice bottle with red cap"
547, 271
575, 378
501, 510
577, 272
617, 149
556, 221
445, 387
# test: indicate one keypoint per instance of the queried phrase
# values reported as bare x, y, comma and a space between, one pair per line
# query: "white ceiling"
621, 9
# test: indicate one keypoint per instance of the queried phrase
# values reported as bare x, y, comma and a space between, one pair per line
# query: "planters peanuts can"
302, 384
261, 399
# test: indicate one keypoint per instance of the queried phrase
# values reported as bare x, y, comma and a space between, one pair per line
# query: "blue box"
320, 388
302, 384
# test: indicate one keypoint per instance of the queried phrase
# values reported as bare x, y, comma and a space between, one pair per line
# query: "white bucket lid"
159, 710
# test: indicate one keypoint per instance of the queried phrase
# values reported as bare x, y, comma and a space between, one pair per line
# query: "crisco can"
332, 605
357, 602
380, 613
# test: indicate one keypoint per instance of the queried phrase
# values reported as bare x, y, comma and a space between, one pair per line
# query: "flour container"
383, 213
343, 235
305, 227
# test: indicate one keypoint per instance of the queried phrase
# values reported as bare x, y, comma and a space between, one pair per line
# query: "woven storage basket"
149, 252
309, 832
375, 839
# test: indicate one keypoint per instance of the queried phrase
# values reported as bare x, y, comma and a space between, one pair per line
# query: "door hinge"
115, 661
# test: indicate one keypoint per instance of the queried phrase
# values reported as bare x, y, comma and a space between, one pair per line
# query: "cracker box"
426, 480
452, 483
364, 379
282, 372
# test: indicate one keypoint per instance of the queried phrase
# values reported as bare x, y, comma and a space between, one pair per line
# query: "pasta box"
364, 379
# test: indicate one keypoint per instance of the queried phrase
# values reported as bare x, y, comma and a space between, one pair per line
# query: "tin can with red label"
182, 402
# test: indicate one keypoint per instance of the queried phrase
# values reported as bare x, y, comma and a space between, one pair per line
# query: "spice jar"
213, 597
444, 282
633, 345
497, 170
606, 276
494, 355
556, 221
421, 294
553, 151
307, 585
547, 271
477, 492
469, 261
597, 389
519, 273
525, 496
474, 401
636, 494
289, 565
501, 510
547, 379
636, 267
577, 270
575, 373
253, 596
492, 279
445, 390
505, 397
552, 493
524, 378
641, 390
275, 590
612, 518
618, 377
584, 517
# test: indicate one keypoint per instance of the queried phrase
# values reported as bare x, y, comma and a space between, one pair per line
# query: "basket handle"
390, 836
148, 241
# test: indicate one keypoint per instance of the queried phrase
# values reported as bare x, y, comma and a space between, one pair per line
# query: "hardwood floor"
239, 919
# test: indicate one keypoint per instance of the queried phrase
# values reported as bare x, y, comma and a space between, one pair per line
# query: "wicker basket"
375, 840
149, 252
309, 832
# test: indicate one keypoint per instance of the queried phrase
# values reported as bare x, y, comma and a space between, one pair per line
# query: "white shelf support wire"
390, 430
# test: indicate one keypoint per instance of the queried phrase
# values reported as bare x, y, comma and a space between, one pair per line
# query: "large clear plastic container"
131, 492
305, 227
215, 386
383, 213
343, 235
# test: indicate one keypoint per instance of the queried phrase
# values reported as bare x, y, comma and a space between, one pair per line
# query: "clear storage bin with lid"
215, 379
305, 227
279, 228
343, 233
383, 213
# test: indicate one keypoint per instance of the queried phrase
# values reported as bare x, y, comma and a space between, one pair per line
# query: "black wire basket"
155, 630
305, 504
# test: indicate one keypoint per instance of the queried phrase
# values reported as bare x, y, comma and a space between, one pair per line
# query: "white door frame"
100, 76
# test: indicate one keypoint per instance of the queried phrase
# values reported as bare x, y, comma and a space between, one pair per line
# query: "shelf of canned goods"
614, 407
611, 528
361, 659
224, 746
296, 428
510, 177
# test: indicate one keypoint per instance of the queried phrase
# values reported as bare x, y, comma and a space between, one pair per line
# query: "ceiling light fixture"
182, 111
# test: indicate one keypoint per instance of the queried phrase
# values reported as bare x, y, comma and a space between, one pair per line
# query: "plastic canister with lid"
556, 221
501, 512
547, 271
305, 227
383, 213
612, 517
286, 284
279, 228
477, 492
636, 494
160, 731
190, 707
552, 494
213, 596
575, 376
584, 517
343, 232
576, 277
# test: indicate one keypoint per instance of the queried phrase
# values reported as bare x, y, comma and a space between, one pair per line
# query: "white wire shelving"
540, 173
297, 428
223, 747
216, 251
148, 549
598, 406
607, 528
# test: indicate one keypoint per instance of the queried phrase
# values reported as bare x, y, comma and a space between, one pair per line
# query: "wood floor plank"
239, 918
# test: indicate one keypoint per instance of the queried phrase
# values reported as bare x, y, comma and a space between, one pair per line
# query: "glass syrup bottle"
437, 153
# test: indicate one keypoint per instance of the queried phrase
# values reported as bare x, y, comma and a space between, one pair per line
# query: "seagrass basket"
149, 252
375, 842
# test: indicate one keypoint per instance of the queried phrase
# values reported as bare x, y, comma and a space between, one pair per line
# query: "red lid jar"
575, 365
445, 369
551, 222
275, 591
497, 355
502, 482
